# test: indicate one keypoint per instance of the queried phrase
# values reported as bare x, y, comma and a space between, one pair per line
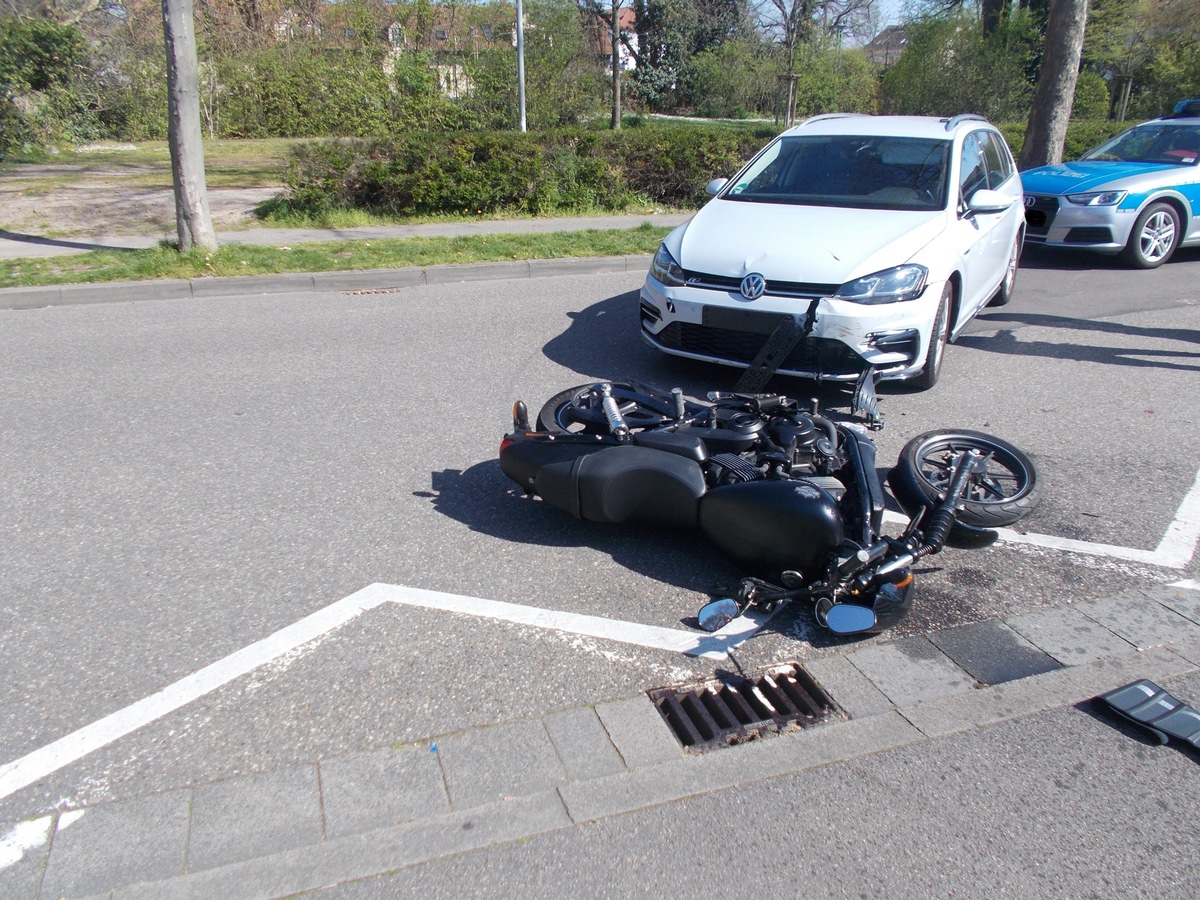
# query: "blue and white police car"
1137, 195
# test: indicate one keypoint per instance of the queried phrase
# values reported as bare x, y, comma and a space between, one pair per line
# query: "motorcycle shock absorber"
917, 545
612, 412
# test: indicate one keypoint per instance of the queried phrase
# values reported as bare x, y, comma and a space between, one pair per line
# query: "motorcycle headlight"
1097, 198
888, 286
665, 269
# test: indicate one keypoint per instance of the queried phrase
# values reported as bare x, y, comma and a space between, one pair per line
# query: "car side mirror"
985, 201
714, 187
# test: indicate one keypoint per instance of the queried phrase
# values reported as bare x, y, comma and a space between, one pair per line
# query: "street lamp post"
521, 63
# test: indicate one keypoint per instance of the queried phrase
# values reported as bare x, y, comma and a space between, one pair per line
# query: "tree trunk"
616, 64
992, 13
192, 218
1047, 129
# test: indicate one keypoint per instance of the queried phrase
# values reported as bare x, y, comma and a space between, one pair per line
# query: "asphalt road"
183, 478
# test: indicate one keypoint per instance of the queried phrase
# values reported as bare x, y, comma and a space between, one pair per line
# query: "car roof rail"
825, 117
954, 122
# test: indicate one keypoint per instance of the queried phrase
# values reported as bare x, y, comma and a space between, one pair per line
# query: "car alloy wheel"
1154, 236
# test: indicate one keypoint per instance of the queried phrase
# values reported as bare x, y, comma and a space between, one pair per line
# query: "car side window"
996, 156
973, 170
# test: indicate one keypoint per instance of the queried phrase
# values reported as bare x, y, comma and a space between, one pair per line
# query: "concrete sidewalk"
15, 246
357, 815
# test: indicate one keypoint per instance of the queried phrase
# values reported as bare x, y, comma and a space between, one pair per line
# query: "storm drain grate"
733, 709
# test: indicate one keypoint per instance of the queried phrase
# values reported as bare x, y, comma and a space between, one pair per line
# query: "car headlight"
888, 286
665, 269
1097, 198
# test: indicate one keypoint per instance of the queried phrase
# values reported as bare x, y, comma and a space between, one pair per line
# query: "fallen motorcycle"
784, 491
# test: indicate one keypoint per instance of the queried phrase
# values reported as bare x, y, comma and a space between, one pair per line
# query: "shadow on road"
39, 241
483, 499
1006, 342
1064, 259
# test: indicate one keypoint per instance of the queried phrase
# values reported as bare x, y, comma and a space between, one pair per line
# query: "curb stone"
595, 763
349, 282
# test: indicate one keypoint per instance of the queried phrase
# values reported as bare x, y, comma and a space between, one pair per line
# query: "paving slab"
911, 670
363, 791
254, 815
1054, 690
104, 847
1141, 620
992, 652
363, 855
638, 732
1069, 636
500, 762
731, 766
582, 744
850, 689
1184, 601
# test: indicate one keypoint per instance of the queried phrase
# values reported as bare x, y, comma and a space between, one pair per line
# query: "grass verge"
246, 259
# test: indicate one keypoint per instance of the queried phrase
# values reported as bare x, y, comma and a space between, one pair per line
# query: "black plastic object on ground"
1146, 704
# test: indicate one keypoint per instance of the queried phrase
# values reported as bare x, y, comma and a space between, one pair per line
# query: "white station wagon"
878, 237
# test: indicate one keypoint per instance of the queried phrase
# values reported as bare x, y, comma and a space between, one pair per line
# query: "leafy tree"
564, 80
949, 67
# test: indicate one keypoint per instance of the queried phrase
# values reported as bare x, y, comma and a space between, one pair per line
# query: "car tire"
1005, 291
939, 336
1154, 237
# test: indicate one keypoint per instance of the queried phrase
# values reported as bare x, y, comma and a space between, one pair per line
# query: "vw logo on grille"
753, 286
1030, 201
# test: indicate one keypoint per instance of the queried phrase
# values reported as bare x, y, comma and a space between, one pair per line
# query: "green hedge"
1082, 135
429, 173
540, 173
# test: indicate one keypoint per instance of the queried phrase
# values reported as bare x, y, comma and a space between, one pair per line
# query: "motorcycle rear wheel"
578, 410
1008, 491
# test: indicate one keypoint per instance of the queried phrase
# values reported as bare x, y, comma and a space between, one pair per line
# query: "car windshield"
866, 172
1159, 142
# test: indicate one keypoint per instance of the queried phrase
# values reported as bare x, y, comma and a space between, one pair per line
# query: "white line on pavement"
49, 759
40, 763
1174, 551
710, 646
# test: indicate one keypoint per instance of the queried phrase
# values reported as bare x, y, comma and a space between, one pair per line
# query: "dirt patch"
108, 205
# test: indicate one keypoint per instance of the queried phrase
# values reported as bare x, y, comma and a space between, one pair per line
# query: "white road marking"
49, 759
23, 837
40, 763
1174, 551
710, 646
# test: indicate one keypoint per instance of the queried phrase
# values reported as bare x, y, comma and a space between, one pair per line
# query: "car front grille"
829, 357
1040, 216
775, 288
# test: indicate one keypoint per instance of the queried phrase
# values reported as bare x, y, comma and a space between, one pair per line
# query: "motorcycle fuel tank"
773, 526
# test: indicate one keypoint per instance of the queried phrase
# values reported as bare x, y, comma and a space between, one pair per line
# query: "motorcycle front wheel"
579, 409
1005, 493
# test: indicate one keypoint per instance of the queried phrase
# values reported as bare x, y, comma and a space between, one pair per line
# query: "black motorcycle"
784, 491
